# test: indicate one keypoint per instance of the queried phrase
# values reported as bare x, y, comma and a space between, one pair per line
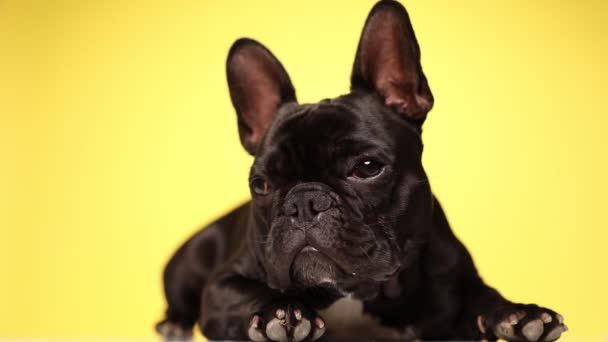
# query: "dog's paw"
289, 323
523, 323
173, 332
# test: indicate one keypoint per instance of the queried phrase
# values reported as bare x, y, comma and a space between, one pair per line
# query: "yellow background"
118, 140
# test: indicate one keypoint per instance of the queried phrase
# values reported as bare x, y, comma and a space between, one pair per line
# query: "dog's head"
339, 191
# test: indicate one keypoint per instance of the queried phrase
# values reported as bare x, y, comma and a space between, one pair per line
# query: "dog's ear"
259, 86
388, 62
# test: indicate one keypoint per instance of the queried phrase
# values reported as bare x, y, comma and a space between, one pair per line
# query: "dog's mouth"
326, 255
311, 267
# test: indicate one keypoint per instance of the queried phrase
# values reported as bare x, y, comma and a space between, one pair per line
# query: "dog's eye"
367, 169
259, 186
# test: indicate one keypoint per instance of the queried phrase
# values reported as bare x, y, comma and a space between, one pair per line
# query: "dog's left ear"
388, 62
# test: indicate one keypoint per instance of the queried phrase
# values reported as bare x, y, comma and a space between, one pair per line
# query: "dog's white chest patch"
346, 320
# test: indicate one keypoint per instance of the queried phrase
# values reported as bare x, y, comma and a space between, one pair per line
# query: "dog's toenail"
480, 324
320, 329
280, 313
254, 321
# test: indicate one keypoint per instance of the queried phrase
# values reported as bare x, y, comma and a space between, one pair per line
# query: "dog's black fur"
341, 208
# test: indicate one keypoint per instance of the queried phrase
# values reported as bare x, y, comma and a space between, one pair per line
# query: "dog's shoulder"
216, 242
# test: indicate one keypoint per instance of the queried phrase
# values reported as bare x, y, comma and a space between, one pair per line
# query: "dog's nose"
305, 205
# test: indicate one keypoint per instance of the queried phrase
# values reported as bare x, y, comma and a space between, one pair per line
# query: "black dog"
343, 237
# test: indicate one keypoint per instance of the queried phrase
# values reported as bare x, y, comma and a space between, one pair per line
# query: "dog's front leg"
238, 308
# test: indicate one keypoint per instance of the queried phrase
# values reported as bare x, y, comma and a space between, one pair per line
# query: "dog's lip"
308, 248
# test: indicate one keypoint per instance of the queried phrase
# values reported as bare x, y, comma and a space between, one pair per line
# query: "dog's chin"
313, 268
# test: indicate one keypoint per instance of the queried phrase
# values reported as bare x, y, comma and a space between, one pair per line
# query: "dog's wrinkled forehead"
317, 136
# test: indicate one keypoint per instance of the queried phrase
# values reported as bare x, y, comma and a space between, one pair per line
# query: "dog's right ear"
259, 86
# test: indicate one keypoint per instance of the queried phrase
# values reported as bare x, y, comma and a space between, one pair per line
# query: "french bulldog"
343, 238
